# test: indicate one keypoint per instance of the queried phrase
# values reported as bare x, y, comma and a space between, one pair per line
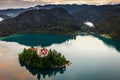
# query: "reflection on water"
110, 42
93, 58
43, 73
47, 39
33, 39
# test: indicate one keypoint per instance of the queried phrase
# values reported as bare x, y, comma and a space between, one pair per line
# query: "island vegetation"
53, 59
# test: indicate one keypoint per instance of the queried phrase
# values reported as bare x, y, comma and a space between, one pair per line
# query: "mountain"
94, 13
12, 12
82, 13
110, 24
56, 20
70, 8
4, 16
61, 13
67, 19
16, 12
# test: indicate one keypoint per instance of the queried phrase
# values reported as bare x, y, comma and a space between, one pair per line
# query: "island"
42, 58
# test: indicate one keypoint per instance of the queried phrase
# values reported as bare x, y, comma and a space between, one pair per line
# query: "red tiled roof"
35, 49
44, 51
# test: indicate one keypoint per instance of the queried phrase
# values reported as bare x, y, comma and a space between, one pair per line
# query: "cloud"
1, 19
90, 24
28, 3
97, 2
17, 4
31, 0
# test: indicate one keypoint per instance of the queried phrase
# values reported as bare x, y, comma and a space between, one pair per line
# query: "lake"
93, 57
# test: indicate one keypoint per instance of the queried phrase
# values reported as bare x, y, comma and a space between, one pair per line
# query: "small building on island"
47, 59
41, 52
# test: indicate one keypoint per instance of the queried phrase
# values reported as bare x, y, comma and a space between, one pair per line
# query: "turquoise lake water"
93, 57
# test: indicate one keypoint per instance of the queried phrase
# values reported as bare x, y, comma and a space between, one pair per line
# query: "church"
41, 52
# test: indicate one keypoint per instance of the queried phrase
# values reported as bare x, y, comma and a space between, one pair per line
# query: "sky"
29, 3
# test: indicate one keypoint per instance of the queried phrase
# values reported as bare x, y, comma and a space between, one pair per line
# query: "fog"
90, 24
1, 19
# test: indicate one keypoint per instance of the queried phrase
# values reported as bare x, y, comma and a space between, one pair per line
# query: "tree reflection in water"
110, 42
43, 73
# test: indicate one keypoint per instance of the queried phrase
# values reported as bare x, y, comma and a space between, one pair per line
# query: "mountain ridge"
110, 24
40, 21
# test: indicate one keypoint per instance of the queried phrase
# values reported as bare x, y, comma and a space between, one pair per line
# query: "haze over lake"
93, 57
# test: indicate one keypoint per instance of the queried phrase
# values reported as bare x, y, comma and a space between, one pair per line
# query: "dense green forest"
52, 60
56, 20
110, 24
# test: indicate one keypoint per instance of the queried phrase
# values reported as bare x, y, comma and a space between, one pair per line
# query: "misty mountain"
12, 12
4, 16
82, 13
70, 8
69, 18
56, 20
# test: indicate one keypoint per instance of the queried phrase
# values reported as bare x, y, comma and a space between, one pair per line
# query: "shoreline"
73, 34
106, 36
67, 64
62, 34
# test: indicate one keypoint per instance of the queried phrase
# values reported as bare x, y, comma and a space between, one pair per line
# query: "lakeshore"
106, 36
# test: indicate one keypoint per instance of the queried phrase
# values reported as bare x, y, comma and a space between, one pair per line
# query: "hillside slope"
56, 20
110, 24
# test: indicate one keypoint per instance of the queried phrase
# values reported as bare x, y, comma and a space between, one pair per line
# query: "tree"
30, 58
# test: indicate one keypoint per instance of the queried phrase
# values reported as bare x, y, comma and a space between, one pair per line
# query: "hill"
56, 20
110, 24
70, 8
94, 13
